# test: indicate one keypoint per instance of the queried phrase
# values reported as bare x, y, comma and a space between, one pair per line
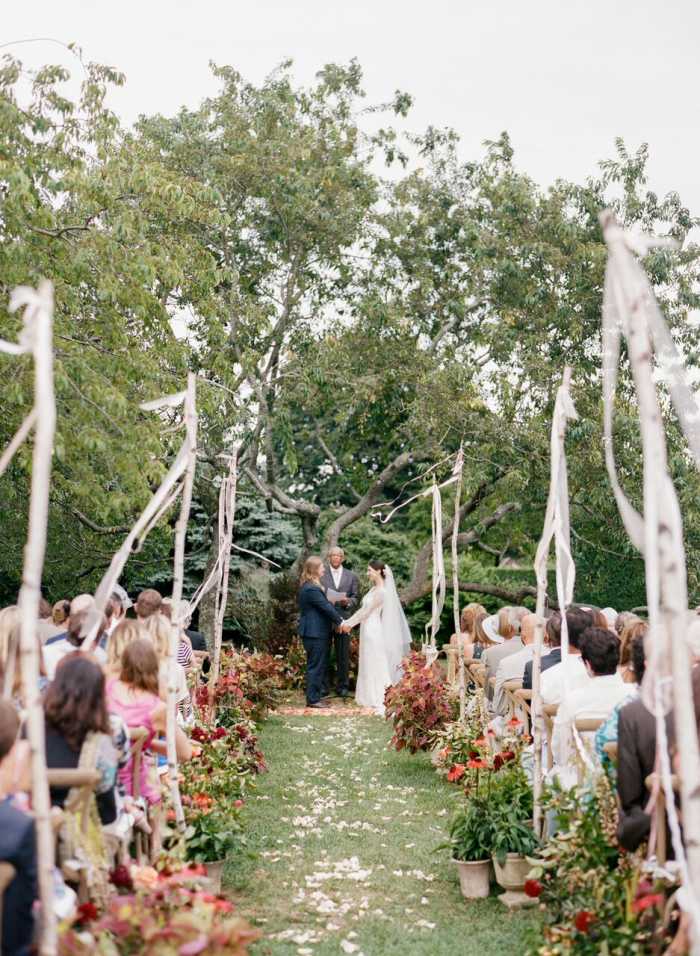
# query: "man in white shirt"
54, 653
512, 666
508, 627
600, 653
337, 578
552, 680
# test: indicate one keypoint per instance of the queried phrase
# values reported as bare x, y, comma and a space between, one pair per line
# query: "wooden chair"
660, 815
549, 712
137, 739
586, 725
7, 875
515, 704
81, 786
452, 656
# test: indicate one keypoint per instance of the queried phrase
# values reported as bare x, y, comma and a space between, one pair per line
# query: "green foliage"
211, 837
419, 705
471, 833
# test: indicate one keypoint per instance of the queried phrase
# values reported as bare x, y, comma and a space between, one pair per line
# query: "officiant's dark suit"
316, 618
349, 584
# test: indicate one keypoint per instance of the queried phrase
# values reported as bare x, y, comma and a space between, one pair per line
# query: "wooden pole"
459, 469
38, 319
226, 515
178, 577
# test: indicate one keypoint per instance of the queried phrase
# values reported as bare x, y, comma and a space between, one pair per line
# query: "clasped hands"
344, 628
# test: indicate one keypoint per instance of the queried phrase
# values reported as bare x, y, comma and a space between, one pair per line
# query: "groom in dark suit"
336, 577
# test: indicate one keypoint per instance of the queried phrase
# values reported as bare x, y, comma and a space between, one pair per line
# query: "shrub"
419, 705
167, 913
249, 685
598, 898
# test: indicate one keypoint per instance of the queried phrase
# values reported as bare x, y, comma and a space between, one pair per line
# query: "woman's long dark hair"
74, 702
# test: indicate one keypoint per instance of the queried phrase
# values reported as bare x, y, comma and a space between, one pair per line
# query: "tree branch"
368, 500
289, 505
420, 582
334, 462
99, 529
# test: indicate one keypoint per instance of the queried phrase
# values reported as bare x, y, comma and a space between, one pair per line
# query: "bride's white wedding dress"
373, 675
384, 641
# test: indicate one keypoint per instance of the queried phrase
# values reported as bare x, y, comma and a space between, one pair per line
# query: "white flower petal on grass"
348, 947
424, 924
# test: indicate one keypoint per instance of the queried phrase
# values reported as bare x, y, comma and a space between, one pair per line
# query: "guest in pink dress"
134, 697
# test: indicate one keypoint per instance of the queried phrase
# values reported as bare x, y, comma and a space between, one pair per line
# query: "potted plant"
471, 838
509, 813
209, 838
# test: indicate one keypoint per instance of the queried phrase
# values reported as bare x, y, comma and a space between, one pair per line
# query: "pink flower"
456, 772
477, 764
645, 902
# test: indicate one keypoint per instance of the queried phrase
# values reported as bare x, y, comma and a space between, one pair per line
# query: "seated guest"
600, 653
508, 628
60, 612
134, 696
54, 652
17, 846
184, 649
467, 629
552, 683
124, 634
512, 667
607, 732
632, 630
117, 611
551, 649
80, 603
148, 603
75, 711
158, 629
45, 625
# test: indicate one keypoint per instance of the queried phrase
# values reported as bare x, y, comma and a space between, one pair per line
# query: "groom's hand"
344, 628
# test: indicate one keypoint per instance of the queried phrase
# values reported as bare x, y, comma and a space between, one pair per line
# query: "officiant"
342, 590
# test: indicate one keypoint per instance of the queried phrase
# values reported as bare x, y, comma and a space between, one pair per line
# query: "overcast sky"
564, 77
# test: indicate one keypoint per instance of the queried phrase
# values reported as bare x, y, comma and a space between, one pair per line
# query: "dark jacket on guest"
316, 613
18, 847
636, 759
546, 661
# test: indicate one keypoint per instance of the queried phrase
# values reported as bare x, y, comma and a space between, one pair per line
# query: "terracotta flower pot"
474, 878
511, 876
214, 873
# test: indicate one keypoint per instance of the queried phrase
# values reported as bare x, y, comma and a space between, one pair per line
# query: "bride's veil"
397, 636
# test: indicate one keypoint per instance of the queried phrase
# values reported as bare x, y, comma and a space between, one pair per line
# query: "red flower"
87, 912
238, 804
456, 772
514, 722
480, 742
120, 877
644, 902
220, 732
477, 764
533, 888
583, 921
504, 757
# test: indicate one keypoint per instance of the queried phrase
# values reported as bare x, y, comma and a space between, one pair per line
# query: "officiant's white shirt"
337, 574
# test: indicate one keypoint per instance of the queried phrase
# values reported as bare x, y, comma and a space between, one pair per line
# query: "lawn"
343, 836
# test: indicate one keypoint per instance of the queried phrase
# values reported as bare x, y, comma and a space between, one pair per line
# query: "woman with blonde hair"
120, 638
471, 634
316, 618
158, 628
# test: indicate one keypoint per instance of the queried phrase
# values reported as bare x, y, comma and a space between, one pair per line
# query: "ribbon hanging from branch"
630, 309
557, 526
459, 471
227, 512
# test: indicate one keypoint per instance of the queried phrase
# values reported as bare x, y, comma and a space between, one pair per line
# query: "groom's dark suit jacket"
316, 613
349, 584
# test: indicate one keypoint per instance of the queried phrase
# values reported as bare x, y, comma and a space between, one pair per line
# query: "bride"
384, 637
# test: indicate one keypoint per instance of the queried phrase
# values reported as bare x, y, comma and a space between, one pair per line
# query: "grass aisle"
344, 832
